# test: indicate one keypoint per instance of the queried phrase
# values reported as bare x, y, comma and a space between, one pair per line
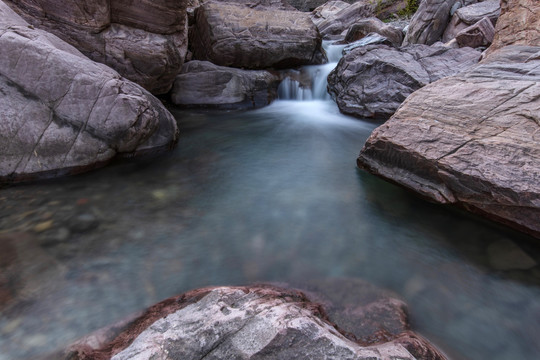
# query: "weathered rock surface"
339, 22
327, 10
257, 322
145, 41
478, 35
61, 112
372, 81
470, 15
236, 35
470, 140
430, 21
202, 83
519, 24
362, 28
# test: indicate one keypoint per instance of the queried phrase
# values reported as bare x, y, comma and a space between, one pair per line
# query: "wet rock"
470, 15
337, 23
430, 21
373, 81
362, 28
519, 24
257, 322
470, 140
506, 255
478, 35
62, 113
237, 35
83, 222
146, 42
202, 83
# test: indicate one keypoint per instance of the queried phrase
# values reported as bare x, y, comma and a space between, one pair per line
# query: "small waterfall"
309, 83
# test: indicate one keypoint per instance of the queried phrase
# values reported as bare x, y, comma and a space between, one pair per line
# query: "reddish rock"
477, 35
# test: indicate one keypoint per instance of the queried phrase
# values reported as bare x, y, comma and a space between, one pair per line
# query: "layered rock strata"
470, 15
373, 81
257, 322
202, 83
471, 139
242, 36
145, 41
62, 113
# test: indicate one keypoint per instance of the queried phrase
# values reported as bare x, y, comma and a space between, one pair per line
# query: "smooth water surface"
265, 195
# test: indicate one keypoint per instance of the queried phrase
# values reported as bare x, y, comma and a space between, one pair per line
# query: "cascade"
309, 82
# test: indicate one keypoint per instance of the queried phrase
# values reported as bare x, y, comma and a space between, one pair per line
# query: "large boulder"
202, 83
471, 139
61, 112
145, 41
364, 27
242, 36
336, 24
373, 81
470, 15
430, 20
256, 322
519, 24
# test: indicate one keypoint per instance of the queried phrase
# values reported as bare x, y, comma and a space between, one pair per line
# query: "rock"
256, 322
364, 27
337, 23
478, 35
506, 255
470, 140
144, 41
309, 5
370, 39
429, 22
327, 10
202, 83
236, 35
63, 113
373, 81
470, 15
519, 24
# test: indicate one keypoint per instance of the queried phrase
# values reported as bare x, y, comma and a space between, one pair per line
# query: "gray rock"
470, 15
146, 41
202, 83
373, 81
258, 322
327, 10
337, 23
62, 113
429, 22
470, 140
362, 28
506, 255
237, 35
478, 35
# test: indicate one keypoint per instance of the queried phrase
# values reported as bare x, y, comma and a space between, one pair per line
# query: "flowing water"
265, 195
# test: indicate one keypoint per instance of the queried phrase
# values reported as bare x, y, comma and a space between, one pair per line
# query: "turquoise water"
265, 195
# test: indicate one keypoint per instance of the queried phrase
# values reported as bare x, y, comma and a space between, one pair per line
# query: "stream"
264, 195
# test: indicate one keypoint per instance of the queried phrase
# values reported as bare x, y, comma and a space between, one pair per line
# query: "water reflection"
266, 195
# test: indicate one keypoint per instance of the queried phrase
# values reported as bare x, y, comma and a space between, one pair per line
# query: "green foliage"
410, 9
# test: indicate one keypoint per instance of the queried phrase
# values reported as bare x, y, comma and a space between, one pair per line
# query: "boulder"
364, 27
470, 15
478, 35
202, 83
327, 10
339, 22
430, 20
255, 322
471, 140
62, 113
308, 5
373, 81
145, 41
238, 35
519, 24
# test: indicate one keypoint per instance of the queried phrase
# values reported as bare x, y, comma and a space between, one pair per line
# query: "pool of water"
265, 195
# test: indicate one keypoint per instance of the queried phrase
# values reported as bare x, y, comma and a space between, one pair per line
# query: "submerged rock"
470, 140
242, 36
256, 322
62, 113
202, 83
373, 81
146, 41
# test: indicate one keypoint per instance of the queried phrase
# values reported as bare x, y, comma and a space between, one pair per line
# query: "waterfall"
309, 82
